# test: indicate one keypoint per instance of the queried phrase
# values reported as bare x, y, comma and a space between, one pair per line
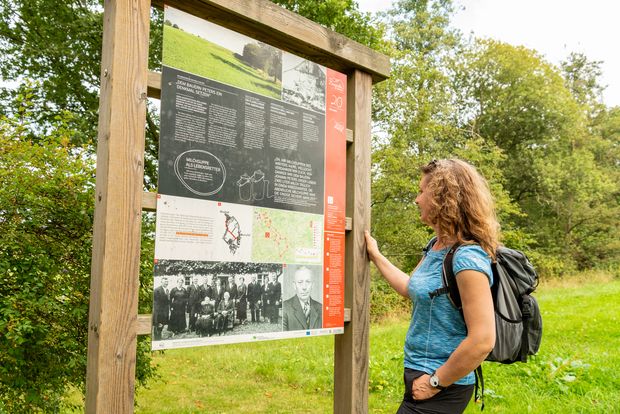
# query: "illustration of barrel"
245, 187
258, 185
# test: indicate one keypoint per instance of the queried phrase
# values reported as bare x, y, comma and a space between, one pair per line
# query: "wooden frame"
118, 209
125, 82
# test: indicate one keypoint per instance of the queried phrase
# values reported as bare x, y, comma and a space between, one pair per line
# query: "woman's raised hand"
371, 246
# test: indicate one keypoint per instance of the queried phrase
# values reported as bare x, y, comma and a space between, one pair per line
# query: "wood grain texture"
270, 23
118, 208
352, 348
350, 136
145, 322
348, 224
149, 201
154, 85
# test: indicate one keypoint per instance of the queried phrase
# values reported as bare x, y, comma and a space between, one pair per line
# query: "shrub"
46, 213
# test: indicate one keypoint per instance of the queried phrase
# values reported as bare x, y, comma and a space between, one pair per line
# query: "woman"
443, 347
205, 323
224, 313
178, 307
242, 301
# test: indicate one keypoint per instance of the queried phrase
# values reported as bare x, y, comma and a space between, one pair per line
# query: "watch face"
434, 381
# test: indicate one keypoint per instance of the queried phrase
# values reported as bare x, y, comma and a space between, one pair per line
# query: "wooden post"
113, 319
352, 347
118, 208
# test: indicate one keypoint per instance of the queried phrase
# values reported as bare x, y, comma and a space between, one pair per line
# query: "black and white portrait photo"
302, 310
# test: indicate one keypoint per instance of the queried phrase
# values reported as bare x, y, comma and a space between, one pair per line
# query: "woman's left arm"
480, 320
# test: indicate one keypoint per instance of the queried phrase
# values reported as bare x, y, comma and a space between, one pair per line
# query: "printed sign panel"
250, 211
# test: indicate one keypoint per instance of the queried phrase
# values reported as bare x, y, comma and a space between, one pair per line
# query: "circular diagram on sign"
200, 172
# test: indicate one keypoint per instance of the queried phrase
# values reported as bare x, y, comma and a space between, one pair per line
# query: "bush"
384, 301
46, 214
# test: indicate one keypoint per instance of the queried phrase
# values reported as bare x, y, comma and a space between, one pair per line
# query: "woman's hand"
371, 247
421, 388
395, 277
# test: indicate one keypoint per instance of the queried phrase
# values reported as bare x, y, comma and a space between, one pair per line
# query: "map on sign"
287, 236
232, 233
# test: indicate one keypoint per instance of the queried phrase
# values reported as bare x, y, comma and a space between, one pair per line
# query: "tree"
46, 212
418, 122
47, 146
542, 123
581, 76
342, 16
264, 57
59, 44
415, 121
250, 54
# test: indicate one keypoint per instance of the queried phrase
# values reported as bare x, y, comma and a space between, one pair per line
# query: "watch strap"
438, 386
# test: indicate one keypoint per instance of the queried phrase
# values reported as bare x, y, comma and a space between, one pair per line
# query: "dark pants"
254, 312
158, 327
221, 322
452, 400
193, 310
205, 325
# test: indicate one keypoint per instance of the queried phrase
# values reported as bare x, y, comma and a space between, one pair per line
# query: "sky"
554, 28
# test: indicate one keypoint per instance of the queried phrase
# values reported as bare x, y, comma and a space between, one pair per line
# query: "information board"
251, 201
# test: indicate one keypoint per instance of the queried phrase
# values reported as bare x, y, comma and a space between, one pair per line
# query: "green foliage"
59, 44
384, 301
46, 212
582, 79
415, 112
545, 127
342, 16
46, 193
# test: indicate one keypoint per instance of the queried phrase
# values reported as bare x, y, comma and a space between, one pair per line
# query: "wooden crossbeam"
266, 21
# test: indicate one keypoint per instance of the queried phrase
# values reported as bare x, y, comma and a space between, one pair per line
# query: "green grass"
576, 371
193, 54
293, 376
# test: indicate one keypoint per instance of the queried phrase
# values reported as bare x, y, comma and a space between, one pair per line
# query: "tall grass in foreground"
576, 371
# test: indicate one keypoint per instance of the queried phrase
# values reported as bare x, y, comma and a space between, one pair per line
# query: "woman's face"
423, 200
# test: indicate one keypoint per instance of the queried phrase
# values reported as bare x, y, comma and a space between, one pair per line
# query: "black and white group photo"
193, 299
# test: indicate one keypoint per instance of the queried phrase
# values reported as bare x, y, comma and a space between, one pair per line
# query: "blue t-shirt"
437, 327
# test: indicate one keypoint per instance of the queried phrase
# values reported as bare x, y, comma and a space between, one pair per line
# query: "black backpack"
518, 323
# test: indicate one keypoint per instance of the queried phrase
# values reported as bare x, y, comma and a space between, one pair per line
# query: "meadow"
576, 370
194, 54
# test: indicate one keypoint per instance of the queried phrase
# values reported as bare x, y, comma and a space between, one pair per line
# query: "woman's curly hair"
462, 206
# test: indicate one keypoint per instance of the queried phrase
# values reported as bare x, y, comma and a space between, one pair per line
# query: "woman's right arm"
394, 276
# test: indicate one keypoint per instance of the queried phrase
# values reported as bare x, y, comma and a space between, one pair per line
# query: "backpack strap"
429, 245
449, 278
479, 385
526, 314
449, 285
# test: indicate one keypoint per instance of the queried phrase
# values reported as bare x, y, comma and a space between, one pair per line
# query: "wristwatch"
434, 381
